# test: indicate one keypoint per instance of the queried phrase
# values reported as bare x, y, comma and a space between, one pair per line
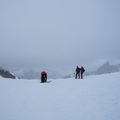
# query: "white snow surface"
93, 98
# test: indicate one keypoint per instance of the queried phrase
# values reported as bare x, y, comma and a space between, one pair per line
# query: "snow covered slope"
93, 98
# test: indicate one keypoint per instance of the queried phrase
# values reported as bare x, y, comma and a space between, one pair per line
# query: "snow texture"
93, 98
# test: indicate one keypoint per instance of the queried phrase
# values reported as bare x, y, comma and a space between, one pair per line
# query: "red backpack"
43, 73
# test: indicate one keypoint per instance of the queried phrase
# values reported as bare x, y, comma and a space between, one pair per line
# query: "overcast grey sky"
59, 33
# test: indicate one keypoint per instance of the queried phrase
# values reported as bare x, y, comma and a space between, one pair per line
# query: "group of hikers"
78, 74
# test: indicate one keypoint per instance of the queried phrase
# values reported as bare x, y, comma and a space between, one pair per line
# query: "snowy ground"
93, 98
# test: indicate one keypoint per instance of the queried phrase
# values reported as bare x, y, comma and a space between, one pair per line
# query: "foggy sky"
59, 33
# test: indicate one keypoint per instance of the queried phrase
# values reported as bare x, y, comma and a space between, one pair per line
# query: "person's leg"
42, 80
81, 75
45, 79
76, 75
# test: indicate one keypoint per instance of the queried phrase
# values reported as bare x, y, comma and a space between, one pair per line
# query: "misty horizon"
59, 35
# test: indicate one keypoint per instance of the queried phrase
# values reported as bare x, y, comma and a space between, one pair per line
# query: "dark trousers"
77, 75
81, 75
43, 79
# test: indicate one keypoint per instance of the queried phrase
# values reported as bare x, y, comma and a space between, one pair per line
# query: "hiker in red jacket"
43, 76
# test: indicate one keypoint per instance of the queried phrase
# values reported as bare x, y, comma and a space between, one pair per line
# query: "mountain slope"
93, 98
6, 74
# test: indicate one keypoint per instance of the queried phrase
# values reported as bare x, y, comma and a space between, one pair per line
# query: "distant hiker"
82, 71
77, 72
43, 77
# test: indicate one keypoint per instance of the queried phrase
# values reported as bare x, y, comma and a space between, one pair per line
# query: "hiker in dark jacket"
77, 74
82, 72
43, 77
